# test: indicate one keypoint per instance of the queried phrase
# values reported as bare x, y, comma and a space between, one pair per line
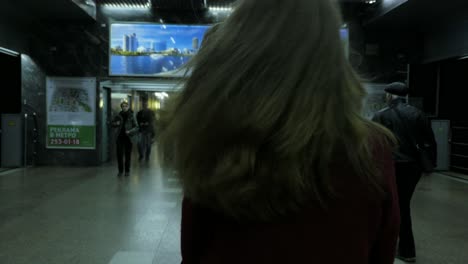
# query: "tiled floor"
457, 175
51, 215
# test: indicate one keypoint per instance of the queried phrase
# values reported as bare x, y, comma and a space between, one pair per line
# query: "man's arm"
138, 118
135, 127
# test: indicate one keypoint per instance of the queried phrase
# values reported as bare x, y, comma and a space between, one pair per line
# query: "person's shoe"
140, 158
119, 174
406, 259
127, 174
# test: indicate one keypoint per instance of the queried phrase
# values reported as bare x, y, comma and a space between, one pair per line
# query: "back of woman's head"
269, 103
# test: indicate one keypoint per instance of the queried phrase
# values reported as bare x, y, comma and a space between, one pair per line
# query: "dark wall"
13, 37
423, 83
179, 16
380, 51
63, 50
10, 77
446, 41
33, 84
70, 49
443, 43
453, 84
383, 56
53, 48
34, 94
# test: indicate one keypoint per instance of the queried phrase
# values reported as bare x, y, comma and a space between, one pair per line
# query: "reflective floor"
74, 215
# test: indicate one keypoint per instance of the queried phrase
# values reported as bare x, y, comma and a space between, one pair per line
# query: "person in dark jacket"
126, 134
412, 129
276, 161
146, 122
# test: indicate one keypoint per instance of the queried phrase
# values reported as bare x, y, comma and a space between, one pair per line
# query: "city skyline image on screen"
159, 50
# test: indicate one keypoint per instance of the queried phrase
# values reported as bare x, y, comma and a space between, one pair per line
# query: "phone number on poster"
61, 141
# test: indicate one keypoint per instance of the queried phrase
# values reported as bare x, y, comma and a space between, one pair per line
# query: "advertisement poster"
71, 113
156, 50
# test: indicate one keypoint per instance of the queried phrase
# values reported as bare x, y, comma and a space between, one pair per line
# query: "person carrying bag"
416, 153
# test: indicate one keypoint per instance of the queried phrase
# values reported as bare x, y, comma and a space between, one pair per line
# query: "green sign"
71, 136
71, 113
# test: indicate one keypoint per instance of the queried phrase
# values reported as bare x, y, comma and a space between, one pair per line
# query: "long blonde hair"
269, 104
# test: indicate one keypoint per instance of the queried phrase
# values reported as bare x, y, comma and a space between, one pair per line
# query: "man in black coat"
413, 131
146, 122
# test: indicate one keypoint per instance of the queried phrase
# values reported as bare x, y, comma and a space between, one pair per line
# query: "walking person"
413, 131
276, 162
126, 133
146, 122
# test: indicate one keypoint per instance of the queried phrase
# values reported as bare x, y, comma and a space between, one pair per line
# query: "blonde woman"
277, 164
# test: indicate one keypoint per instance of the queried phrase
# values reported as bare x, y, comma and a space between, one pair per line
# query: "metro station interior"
67, 66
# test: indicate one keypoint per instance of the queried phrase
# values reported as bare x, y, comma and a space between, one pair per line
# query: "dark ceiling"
30, 11
169, 4
25, 12
420, 15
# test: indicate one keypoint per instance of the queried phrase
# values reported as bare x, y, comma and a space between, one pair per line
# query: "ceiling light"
9, 52
90, 3
161, 96
220, 9
128, 6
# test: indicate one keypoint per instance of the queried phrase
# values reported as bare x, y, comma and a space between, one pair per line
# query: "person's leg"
128, 155
120, 153
148, 146
141, 148
407, 177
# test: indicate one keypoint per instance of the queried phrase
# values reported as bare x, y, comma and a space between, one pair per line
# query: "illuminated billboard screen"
152, 50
